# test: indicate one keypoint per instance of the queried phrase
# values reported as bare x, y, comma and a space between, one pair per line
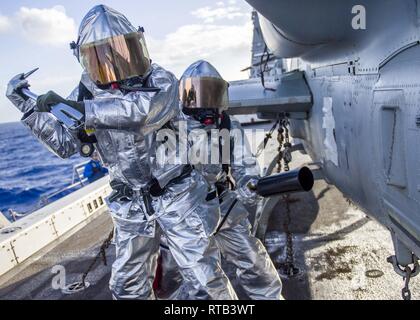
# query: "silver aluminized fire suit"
254, 269
125, 128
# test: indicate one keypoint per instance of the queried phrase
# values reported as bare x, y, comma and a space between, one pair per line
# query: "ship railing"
78, 180
27, 239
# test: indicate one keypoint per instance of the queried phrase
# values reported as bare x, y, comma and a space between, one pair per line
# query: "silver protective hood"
103, 22
110, 48
200, 69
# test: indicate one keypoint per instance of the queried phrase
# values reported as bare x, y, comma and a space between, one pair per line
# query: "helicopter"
345, 75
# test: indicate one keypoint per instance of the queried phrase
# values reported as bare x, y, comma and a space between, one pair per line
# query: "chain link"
289, 268
280, 140
284, 158
287, 154
406, 293
101, 253
407, 272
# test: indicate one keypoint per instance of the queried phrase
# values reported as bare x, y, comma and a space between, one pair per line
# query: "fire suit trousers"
255, 271
137, 247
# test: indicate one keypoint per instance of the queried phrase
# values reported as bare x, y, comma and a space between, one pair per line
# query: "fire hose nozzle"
287, 182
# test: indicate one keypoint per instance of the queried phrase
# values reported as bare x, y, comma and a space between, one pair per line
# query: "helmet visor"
116, 58
204, 93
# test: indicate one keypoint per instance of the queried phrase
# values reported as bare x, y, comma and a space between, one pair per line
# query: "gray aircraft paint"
364, 123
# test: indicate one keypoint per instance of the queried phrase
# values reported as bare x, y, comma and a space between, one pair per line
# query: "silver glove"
15, 95
244, 194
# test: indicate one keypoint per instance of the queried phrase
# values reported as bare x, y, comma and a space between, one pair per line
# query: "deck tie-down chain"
405, 292
101, 253
284, 151
407, 273
83, 284
288, 268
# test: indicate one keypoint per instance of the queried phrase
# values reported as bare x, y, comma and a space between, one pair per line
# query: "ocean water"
28, 171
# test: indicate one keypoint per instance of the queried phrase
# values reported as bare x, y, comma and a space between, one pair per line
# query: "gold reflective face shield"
204, 93
115, 59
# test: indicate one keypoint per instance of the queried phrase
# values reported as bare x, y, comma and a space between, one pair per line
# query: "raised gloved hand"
14, 91
45, 102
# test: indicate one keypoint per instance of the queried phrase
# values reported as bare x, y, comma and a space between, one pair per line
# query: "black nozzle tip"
306, 178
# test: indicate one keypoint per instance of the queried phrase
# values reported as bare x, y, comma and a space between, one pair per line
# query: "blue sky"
37, 34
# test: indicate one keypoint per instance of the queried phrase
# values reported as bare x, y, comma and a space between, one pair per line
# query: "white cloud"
221, 11
49, 26
225, 43
226, 46
5, 23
